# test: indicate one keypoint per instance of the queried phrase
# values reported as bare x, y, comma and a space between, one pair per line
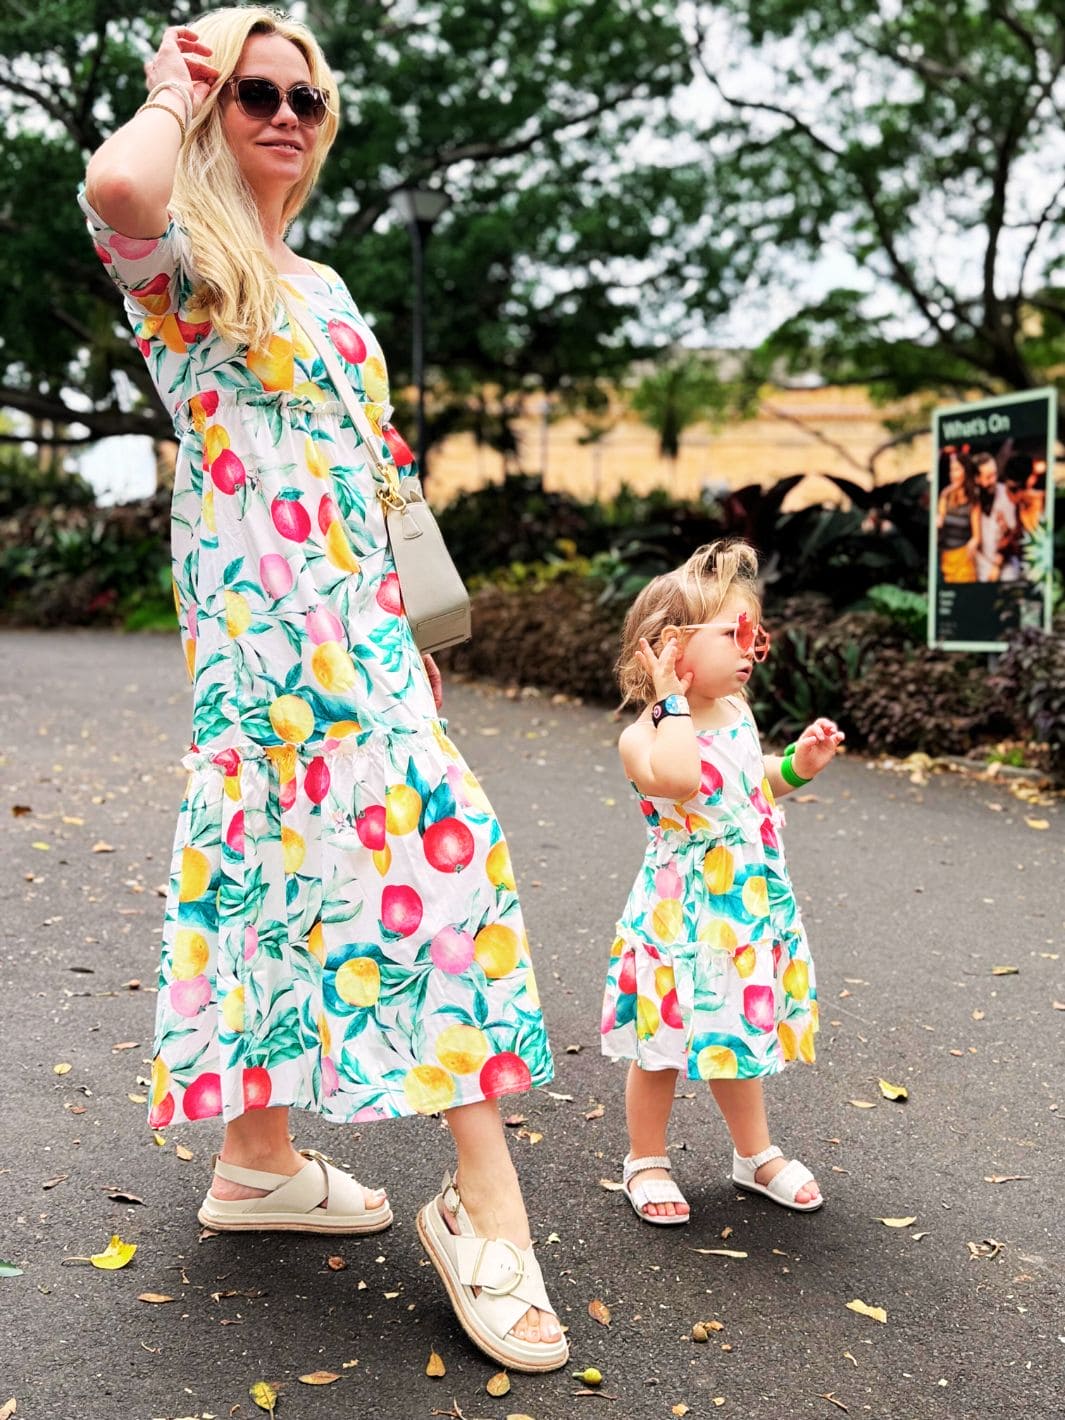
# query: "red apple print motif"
758, 1006
711, 782
287, 797
104, 255
348, 341
235, 832
388, 595
769, 834
627, 975
316, 780
327, 512
192, 331
227, 472
289, 515
162, 1113
398, 447
324, 625
370, 826
203, 1098
134, 248
448, 845
228, 760
504, 1074
401, 909
154, 295
670, 1009
257, 1087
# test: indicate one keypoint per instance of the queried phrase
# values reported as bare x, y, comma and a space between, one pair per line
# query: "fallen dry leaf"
319, 1378
862, 1104
8, 1409
988, 1248
102, 847
896, 1222
893, 1092
680, 1409
599, 1311
126, 1045
9, 1269
918, 1236
335, 1264
54, 1182
62, 1069
827, 1395
264, 1395
120, 1195
435, 1365
611, 1186
1037, 823
498, 1385
1006, 1177
596, 1113
863, 1309
718, 1252
183, 1153
115, 1255
1058, 1005
1005, 971
156, 1298
979, 1015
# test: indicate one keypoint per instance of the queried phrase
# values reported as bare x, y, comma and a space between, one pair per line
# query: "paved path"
913, 895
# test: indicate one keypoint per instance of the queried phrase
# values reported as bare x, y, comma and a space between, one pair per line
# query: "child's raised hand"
663, 668
816, 747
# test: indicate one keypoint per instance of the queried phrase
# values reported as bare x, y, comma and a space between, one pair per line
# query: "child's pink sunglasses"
751, 639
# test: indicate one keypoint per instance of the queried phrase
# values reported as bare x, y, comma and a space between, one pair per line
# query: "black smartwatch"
671, 705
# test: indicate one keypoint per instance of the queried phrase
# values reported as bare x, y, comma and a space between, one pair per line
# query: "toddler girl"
711, 971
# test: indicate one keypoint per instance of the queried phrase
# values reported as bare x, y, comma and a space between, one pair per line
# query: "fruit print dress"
711, 971
342, 930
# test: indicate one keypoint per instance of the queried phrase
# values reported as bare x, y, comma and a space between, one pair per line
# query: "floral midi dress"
342, 930
711, 971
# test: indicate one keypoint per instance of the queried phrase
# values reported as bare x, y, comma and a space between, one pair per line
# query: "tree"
527, 110
921, 141
686, 390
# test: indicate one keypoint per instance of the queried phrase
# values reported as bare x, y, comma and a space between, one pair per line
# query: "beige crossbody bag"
435, 600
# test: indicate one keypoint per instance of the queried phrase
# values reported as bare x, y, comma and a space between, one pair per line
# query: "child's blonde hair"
694, 593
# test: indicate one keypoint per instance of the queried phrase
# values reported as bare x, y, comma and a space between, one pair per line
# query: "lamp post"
419, 207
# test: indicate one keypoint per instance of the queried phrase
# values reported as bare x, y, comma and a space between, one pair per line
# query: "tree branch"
821, 438
102, 423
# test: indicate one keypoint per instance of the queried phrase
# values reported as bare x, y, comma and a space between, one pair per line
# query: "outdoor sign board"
991, 555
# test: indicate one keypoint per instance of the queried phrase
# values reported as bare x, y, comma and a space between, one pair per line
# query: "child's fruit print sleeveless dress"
342, 929
711, 972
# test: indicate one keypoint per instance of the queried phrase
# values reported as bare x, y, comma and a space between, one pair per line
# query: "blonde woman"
342, 930
957, 517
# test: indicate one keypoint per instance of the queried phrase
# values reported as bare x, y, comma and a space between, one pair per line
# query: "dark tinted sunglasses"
261, 98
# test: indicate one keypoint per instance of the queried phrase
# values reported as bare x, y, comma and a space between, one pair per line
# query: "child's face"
711, 656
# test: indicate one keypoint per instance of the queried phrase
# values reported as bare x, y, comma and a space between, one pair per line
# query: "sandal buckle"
516, 1277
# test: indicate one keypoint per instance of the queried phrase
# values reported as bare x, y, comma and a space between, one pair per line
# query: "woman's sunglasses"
751, 639
261, 98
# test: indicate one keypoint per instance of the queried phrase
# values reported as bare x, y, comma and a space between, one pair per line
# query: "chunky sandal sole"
775, 1198
484, 1341
289, 1223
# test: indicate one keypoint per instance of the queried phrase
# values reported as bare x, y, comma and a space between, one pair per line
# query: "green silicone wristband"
788, 774
791, 749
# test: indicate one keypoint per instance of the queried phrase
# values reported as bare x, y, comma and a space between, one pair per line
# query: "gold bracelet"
165, 108
184, 91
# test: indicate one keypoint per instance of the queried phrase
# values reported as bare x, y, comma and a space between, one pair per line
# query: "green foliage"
24, 484
909, 609
684, 391
1031, 675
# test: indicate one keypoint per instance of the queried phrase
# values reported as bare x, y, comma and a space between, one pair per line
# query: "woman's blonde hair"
212, 202
694, 593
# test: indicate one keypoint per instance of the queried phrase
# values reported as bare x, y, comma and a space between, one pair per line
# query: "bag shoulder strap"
313, 331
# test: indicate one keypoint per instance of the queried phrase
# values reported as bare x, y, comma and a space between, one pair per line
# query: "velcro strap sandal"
652, 1190
507, 1279
317, 1199
783, 1187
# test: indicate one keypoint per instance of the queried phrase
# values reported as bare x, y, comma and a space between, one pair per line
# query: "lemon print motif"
160, 1079
358, 982
214, 441
195, 875
498, 867
664, 981
375, 380
317, 463
756, 897
338, 548
788, 1044
806, 1045
462, 1049
238, 614
429, 1089
745, 960
325, 1035
719, 870
647, 1017
293, 850
190, 954
316, 942
717, 1062
233, 1009
667, 919
497, 950
797, 980
333, 668
720, 935
292, 718
403, 807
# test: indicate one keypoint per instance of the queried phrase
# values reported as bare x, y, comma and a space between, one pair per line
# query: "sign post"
991, 553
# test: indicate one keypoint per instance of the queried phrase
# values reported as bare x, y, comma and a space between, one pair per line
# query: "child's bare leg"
648, 1105
742, 1105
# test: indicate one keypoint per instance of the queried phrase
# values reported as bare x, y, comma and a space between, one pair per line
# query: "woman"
957, 518
342, 932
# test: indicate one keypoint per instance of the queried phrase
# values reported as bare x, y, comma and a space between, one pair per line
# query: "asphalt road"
913, 895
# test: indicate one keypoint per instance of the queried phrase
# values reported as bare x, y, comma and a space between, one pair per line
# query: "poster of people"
992, 510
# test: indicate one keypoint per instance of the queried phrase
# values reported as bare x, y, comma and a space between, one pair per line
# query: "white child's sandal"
783, 1187
652, 1190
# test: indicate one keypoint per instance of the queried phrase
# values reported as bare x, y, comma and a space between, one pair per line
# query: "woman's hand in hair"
176, 61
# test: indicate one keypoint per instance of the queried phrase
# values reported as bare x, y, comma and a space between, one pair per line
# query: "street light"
419, 208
